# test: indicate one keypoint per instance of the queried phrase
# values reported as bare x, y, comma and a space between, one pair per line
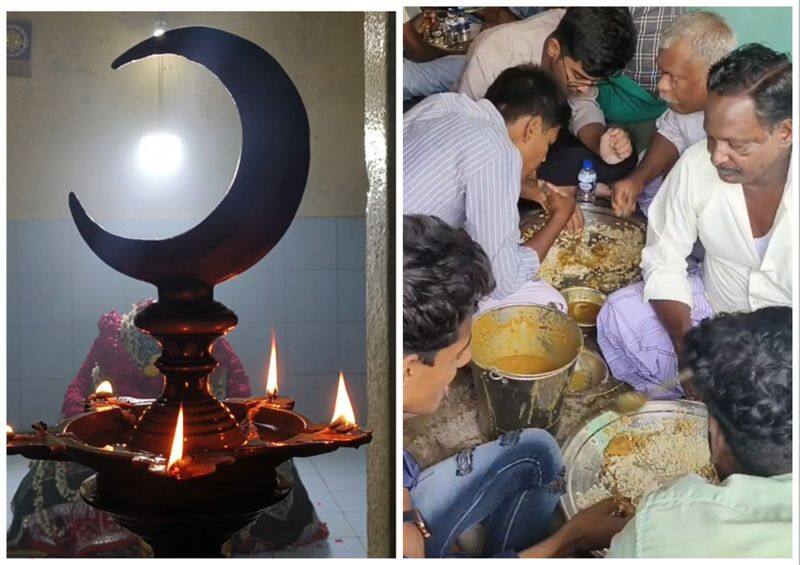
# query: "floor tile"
351, 500
338, 526
314, 484
334, 547
324, 502
358, 521
343, 481
355, 465
305, 466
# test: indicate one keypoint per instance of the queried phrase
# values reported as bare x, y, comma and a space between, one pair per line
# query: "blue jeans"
512, 485
431, 77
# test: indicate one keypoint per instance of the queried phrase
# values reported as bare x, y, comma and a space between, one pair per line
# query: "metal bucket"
513, 399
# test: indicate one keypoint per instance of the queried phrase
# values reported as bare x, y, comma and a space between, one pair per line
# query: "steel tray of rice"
633, 455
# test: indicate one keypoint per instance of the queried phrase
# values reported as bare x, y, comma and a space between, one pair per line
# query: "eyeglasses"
579, 82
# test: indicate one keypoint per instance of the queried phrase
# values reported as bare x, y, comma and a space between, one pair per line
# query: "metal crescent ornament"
267, 187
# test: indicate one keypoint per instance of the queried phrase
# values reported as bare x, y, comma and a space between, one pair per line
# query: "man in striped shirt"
465, 161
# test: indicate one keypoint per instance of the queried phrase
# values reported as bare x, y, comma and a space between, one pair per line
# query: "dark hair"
527, 90
445, 274
741, 366
602, 40
762, 74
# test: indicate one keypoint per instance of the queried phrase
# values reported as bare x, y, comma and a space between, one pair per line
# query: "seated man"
732, 192
511, 485
689, 47
632, 97
578, 47
464, 161
427, 69
741, 366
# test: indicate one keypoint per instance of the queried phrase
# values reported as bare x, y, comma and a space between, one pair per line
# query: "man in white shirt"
732, 192
578, 47
465, 162
689, 47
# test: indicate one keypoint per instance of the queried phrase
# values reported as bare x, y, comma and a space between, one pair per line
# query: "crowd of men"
513, 119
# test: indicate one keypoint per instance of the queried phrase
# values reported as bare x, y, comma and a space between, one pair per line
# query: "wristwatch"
415, 517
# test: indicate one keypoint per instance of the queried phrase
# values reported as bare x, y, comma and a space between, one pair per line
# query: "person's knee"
614, 305
557, 301
551, 297
605, 317
539, 445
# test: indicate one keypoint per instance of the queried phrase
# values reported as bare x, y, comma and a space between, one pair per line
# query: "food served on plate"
639, 461
605, 257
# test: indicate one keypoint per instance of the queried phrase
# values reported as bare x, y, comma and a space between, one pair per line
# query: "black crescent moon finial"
268, 185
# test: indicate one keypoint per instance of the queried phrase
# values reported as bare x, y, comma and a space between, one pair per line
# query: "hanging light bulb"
160, 28
160, 153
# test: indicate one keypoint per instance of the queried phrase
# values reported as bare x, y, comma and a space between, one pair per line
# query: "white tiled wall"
310, 289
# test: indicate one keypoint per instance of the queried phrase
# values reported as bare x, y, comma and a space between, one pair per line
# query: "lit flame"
9, 430
176, 454
104, 388
343, 409
272, 372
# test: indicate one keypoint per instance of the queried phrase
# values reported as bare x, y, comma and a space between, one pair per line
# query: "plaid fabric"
650, 24
636, 346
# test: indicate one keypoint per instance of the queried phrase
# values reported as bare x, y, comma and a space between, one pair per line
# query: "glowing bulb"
272, 371
159, 30
104, 388
176, 453
160, 153
343, 409
9, 430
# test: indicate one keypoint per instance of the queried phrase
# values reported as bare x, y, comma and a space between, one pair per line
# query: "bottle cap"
587, 164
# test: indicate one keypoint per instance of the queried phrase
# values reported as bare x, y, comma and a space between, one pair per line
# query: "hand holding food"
593, 527
560, 201
624, 195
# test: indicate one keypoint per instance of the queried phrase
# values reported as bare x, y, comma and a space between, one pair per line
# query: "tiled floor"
336, 484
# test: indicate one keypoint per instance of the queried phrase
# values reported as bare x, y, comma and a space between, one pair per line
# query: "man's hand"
494, 16
560, 202
624, 196
676, 317
413, 542
576, 221
593, 527
532, 190
424, 21
615, 146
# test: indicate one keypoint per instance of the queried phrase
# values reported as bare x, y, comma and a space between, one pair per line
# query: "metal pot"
512, 399
575, 296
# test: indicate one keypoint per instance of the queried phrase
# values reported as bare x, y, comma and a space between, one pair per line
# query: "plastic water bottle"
450, 26
587, 182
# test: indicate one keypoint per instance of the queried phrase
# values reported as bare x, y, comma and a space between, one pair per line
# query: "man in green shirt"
741, 367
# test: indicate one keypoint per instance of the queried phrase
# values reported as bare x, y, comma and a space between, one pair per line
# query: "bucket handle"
500, 379
555, 306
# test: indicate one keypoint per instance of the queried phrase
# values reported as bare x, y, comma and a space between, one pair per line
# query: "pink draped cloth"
117, 365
